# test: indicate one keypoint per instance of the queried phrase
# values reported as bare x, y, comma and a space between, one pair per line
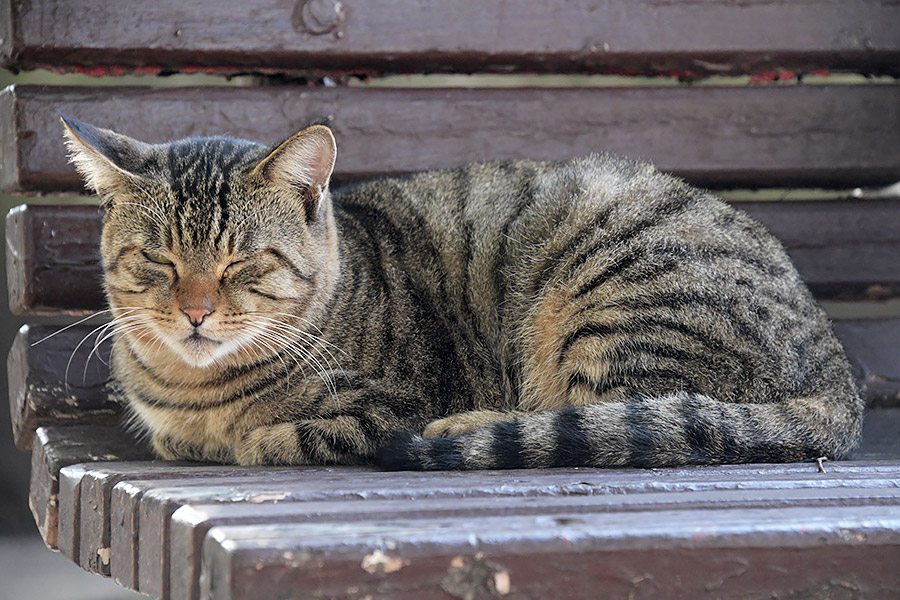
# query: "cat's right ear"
108, 161
302, 166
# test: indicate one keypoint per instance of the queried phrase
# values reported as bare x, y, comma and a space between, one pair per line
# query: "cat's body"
590, 312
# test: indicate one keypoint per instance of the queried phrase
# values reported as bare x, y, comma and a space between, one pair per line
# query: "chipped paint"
379, 562
502, 582
103, 553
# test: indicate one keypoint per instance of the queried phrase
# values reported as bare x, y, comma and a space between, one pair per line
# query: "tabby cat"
589, 312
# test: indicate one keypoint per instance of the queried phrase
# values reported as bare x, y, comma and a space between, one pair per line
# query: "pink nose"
196, 314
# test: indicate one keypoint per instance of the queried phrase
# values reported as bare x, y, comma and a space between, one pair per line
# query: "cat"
590, 312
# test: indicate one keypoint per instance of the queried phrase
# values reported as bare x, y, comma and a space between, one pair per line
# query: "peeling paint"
379, 562
476, 578
103, 553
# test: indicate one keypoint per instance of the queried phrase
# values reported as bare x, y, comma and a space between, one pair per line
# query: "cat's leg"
347, 430
462, 423
169, 448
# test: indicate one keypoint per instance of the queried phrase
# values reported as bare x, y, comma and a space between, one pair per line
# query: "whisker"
284, 326
80, 321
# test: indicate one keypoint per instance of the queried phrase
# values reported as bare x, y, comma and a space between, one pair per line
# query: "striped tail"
673, 430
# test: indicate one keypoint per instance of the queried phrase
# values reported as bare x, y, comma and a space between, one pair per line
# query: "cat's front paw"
168, 448
462, 423
270, 445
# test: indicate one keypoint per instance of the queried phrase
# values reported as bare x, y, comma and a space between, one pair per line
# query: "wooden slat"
58, 447
821, 136
120, 512
794, 552
49, 245
212, 496
631, 36
843, 249
42, 393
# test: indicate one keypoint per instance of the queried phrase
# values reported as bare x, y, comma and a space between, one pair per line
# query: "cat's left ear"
302, 165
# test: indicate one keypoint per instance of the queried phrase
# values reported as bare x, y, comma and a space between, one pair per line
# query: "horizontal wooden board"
53, 259
58, 447
843, 250
820, 136
621, 36
176, 512
52, 383
130, 519
796, 552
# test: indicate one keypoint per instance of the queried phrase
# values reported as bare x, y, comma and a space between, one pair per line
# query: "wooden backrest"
312, 59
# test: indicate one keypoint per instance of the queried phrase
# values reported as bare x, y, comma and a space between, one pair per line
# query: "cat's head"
216, 250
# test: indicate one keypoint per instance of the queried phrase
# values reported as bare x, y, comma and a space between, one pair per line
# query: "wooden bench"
177, 530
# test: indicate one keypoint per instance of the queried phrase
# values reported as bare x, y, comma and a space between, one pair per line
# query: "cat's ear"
302, 166
108, 161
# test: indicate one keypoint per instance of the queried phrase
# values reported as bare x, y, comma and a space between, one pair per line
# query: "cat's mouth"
196, 339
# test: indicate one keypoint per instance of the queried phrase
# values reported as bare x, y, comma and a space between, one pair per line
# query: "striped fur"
500, 315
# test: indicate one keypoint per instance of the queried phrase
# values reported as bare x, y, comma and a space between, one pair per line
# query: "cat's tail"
672, 430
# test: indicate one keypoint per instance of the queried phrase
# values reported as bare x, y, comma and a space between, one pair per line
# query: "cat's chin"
201, 351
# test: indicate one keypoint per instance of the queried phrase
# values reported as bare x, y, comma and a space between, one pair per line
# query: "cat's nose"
196, 314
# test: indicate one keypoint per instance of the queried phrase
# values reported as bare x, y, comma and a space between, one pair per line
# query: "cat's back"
538, 258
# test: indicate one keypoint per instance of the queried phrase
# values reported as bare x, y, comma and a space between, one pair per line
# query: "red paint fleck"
772, 76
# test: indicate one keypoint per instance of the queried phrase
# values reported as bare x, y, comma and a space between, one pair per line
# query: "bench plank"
793, 552
844, 249
58, 447
713, 136
53, 259
241, 495
687, 39
42, 393
122, 510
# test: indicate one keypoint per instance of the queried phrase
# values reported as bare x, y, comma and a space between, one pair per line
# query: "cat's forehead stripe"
200, 172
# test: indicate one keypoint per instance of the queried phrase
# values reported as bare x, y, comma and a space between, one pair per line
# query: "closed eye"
156, 258
230, 269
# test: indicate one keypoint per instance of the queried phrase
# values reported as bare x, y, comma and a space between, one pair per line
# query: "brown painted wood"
795, 552
52, 259
631, 36
717, 137
844, 249
58, 447
41, 392
68, 527
260, 495
190, 524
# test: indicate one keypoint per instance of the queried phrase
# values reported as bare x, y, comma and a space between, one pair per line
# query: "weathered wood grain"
714, 136
53, 259
190, 524
793, 552
58, 447
230, 495
122, 511
844, 249
54, 383
620, 36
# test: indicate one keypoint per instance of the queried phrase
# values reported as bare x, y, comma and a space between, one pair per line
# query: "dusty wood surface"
843, 249
620, 36
52, 259
714, 136
333, 518
58, 447
730, 553
52, 382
